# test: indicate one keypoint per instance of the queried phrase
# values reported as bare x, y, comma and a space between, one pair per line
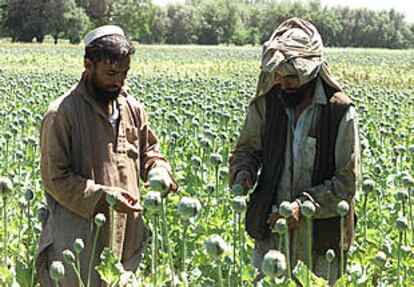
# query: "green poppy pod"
56, 271
188, 207
330, 255
216, 159
42, 213
215, 246
280, 226
343, 208
408, 181
401, 224
100, 219
380, 259
111, 198
401, 195
68, 256
6, 185
274, 264
237, 190
28, 194
368, 185
308, 209
239, 204
285, 209
152, 201
78, 245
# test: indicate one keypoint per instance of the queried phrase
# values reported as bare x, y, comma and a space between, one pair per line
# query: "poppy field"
196, 100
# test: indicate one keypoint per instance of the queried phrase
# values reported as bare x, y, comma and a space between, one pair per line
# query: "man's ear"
88, 64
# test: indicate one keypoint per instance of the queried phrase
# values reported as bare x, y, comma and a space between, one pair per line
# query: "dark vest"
326, 232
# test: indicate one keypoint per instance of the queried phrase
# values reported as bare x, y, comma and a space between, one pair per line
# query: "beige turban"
295, 48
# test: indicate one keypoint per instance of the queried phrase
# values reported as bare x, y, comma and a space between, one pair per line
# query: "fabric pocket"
131, 134
132, 144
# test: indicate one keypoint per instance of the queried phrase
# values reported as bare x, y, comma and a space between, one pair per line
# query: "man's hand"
292, 220
160, 179
244, 179
125, 202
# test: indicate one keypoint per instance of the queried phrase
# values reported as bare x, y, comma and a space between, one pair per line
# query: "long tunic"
298, 169
82, 156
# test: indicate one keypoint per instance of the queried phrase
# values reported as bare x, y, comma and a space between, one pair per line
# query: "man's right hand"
244, 179
125, 202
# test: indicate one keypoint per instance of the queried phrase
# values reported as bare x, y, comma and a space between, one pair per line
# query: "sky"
405, 6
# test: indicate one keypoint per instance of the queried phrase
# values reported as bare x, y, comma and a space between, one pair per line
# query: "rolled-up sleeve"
247, 155
343, 184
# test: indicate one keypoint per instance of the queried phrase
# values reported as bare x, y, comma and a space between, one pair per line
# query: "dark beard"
291, 98
103, 95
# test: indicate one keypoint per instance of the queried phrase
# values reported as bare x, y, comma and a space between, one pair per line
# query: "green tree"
183, 24
3, 14
138, 18
25, 20
325, 20
65, 19
95, 9
77, 24
219, 19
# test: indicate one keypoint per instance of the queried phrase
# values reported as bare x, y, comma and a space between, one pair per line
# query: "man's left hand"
292, 221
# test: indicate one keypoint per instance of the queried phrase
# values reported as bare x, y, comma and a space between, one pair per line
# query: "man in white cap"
299, 143
95, 141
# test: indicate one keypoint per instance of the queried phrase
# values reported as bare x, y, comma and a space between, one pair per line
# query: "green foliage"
25, 20
184, 22
203, 92
6, 277
65, 19
300, 272
35, 19
23, 274
203, 21
110, 269
219, 19
141, 20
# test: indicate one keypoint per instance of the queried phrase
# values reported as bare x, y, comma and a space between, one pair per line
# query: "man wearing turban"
299, 142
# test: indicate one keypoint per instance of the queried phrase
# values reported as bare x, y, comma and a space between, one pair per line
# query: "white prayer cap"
101, 32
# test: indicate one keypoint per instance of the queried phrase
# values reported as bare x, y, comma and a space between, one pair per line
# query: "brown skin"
109, 77
243, 178
125, 203
292, 220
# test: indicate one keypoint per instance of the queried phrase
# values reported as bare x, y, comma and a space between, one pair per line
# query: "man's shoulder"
63, 103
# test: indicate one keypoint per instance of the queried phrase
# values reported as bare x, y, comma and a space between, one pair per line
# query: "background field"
193, 93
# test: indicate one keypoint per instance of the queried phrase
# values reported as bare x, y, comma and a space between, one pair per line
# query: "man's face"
108, 78
287, 83
291, 90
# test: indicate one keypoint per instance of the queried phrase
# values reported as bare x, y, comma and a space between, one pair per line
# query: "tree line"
210, 22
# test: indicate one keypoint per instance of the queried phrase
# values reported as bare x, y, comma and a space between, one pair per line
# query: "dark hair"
112, 48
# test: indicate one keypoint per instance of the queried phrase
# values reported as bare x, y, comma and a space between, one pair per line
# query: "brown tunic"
81, 157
